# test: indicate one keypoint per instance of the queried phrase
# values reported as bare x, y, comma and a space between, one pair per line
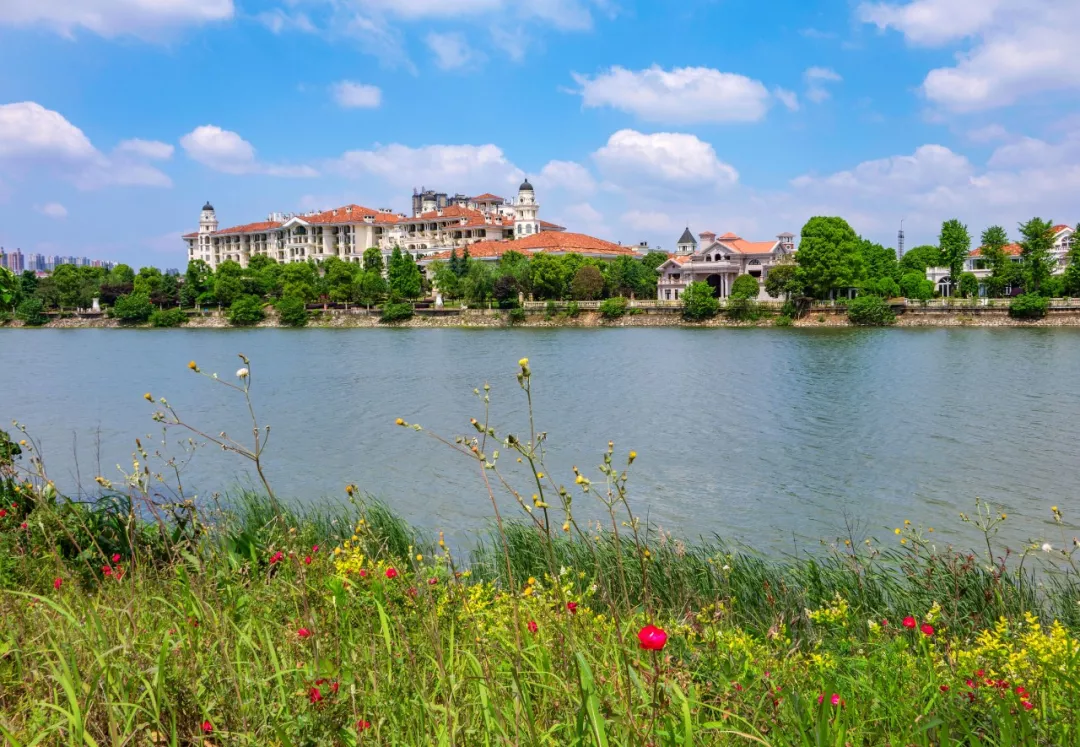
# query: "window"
676, 295
668, 294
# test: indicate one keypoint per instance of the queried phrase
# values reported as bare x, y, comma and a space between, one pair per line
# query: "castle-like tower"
208, 222
525, 209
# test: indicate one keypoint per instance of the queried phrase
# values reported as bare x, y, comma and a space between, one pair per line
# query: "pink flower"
307, 560
314, 695
314, 549
391, 573
835, 699
304, 633
532, 626
909, 622
106, 570
116, 557
432, 581
737, 686
57, 583
22, 526
118, 573
207, 727
334, 687
362, 725
363, 573
652, 638
1027, 705
572, 607
885, 623
821, 698
927, 629
277, 557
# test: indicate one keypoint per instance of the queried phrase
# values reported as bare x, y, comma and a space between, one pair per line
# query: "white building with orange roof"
718, 261
558, 243
439, 223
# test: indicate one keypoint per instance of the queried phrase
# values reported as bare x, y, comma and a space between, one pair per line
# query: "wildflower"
314, 549
419, 558
314, 696
907, 523
349, 489
116, 557
362, 725
193, 366
566, 526
531, 581
821, 698
896, 531
391, 573
652, 638
909, 622
106, 570
242, 373
572, 607
532, 626
943, 688
1028, 705
885, 623
304, 633
118, 573
22, 526
1004, 516
835, 699
927, 629
363, 573
57, 583
277, 557
207, 727
148, 397
633, 455
737, 686
307, 560
3, 513
524, 362
1047, 547
334, 687
399, 421
539, 475
432, 581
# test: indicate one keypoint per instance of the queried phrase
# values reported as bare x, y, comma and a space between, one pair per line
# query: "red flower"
314, 549
334, 687
106, 570
362, 725
119, 573
304, 633
277, 557
737, 686
572, 606
307, 560
22, 526
943, 688
970, 696
432, 581
116, 558
971, 683
532, 626
391, 573
207, 727
3, 513
927, 629
885, 623
56, 584
979, 673
821, 698
652, 638
363, 573
1027, 705
909, 622
314, 695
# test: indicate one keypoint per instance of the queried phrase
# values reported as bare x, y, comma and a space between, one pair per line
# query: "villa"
438, 224
558, 243
718, 261
977, 265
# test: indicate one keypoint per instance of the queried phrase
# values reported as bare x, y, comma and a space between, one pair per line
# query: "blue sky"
119, 118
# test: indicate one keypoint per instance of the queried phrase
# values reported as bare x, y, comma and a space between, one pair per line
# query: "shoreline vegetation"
153, 616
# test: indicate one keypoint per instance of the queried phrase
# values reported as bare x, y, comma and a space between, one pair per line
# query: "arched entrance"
717, 284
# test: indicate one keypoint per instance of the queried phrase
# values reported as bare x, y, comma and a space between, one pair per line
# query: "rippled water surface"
775, 438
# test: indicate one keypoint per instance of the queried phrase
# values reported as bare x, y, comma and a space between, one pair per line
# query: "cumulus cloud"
52, 210
816, 80
1014, 49
352, 95
684, 95
33, 139
668, 158
110, 18
227, 152
471, 168
451, 50
566, 175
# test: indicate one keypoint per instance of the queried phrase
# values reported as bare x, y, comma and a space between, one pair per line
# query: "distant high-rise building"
13, 261
35, 262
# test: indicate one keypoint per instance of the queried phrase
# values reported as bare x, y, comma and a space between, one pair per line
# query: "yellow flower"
647, 553
524, 362
907, 523
355, 538
1054, 509
531, 581
1004, 516
896, 531
566, 526
579, 479
349, 489
419, 558
148, 397
903, 540
539, 475
399, 421
193, 366
337, 551
22, 442
633, 455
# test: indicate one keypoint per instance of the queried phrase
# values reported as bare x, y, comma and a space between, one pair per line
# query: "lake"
772, 437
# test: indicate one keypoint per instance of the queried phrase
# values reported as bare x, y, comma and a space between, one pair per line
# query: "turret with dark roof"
525, 186
687, 237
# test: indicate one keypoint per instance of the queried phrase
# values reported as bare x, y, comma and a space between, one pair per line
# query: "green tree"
919, 258
653, 260
828, 256
371, 288
31, 311
744, 288
246, 311
70, 286
587, 284
121, 274
445, 279
477, 286
517, 265
148, 282
626, 276
373, 259
505, 291
870, 311
167, 318
291, 311
403, 275
228, 282
968, 285
992, 251
915, 286
9, 289
340, 281
783, 280
955, 242
1035, 253
298, 279
548, 276
28, 284
878, 261
699, 303
134, 308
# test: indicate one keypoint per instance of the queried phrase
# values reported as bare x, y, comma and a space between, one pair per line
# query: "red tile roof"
551, 242
1061, 227
190, 235
742, 246
726, 236
679, 259
346, 214
487, 197
265, 225
547, 226
1010, 249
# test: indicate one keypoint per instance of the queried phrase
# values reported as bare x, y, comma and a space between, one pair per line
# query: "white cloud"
681, 96
584, 218
278, 20
928, 167
451, 50
567, 175
470, 168
52, 210
110, 18
351, 95
816, 80
227, 152
423, 9
1018, 48
789, 99
988, 133
647, 220
672, 159
33, 138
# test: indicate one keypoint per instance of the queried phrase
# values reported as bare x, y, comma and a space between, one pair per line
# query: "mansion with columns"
438, 224
719, 260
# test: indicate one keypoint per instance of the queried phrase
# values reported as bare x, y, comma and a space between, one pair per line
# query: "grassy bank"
154, 618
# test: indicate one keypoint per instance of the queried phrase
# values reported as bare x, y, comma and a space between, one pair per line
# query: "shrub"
969, 285
6, 316
745, 287
613, 308
916, 287
743, 309
870, 311
783, 321
396, 311
134, 308
246, 311
550, 309
587, 283
31, 311
516, 316
1028, 306
572, 309
699, 303
167, 318
291, 311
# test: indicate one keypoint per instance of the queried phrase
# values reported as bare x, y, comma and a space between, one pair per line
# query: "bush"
396, 311
745, 287
916, 287
699, 303
31, 311
134, 308
291, 311
550, 309
516, 316
246, 311
969, 285
1028, 306
572, 309
783, 321
613, 308
742, 309
870, 311
167, 318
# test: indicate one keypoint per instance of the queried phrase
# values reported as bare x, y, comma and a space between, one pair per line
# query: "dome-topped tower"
208, 222
526, 222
